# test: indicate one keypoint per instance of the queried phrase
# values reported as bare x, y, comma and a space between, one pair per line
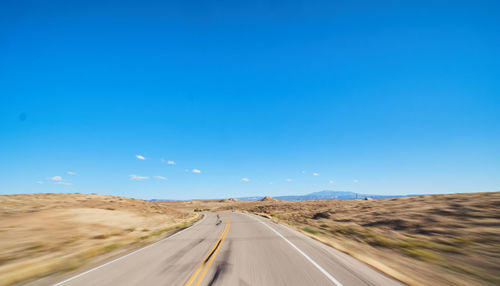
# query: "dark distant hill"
325, 195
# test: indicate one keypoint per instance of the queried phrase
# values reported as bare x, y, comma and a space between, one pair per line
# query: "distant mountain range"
326, 195
323, 195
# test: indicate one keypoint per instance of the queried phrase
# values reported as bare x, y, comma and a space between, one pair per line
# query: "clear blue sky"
377, 97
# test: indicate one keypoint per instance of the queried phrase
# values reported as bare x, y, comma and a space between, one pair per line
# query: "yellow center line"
205, 264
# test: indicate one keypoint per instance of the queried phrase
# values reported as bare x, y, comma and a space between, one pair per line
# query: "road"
233, 249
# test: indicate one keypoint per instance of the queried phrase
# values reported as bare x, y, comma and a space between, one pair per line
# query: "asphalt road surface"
233, 249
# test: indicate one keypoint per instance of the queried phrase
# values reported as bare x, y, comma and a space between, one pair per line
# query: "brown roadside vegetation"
426, 240
42, 234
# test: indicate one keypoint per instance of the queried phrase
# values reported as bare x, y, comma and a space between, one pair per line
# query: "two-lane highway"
234, 249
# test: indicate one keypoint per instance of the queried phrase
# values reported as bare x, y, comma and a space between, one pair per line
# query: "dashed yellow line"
205, 264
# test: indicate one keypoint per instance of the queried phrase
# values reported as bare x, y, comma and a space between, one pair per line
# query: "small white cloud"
55, 178
315, 174
63, 183
355, 181
160, 178
270, 183
135, 177
162, 160
140, 157
288, 180
245, 180
71, 173
331, 182
303, 172
196, 171
40, 182
170, 162
186, 170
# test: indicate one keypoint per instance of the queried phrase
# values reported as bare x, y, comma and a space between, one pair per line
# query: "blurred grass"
310, 230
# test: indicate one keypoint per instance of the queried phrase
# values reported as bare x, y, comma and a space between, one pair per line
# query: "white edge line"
121, 257
301, 252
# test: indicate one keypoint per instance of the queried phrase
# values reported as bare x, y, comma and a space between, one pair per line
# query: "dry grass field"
427, 240
42, 234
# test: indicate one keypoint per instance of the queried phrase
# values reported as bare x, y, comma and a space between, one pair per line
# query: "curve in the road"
245, 250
